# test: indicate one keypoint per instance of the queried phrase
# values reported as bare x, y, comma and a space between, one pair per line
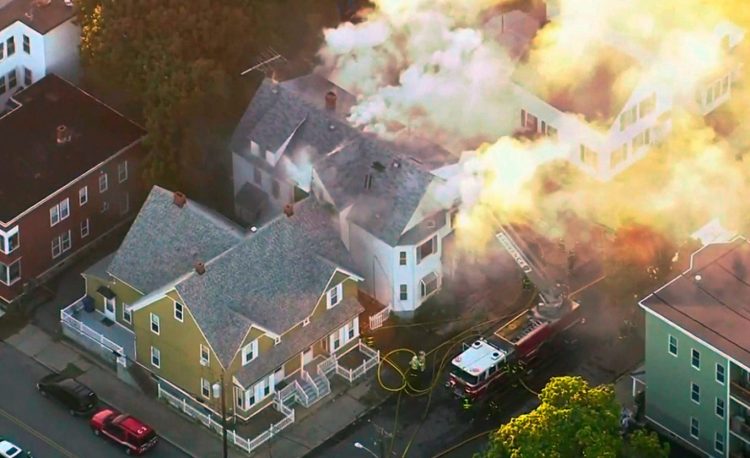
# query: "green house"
267, 311
697, 368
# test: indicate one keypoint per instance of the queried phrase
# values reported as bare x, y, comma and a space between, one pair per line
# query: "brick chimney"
289, 209
63, 134
200, 268
331, 101
179, 199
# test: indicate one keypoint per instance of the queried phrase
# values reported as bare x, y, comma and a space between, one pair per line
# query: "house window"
205, 388
122, 171
178, 311
54, 215
10, 274
155, 357
719, 407
335, 295
249, 352
336, 340
403, 292
647, 106
673, 345
402, 258
9, 241
155, 328
429, 284
427, 248
26, 44
3, 88
105, 206
352, 329
719, 443
695, 359
127, 315
85, 228
83, 196
551, 131
275, 189
720, 375
205, 356
27, 77
56, 250
65, 241
240, 399
695, 393
2, 50
103, 184
125, 204
250, 395
64, 209
695, 428
10, 44
589, 157
257, 176
12, 79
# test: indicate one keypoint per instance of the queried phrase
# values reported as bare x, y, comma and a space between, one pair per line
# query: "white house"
392, 200
608, 129
37, 37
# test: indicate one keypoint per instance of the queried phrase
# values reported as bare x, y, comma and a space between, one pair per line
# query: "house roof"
41, 18
709, 301
397, 186
598, 94
165, 241
515, 31
299, 339
273, 278
34, 165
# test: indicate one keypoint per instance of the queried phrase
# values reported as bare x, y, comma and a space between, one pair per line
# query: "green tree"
573, 420
173, 61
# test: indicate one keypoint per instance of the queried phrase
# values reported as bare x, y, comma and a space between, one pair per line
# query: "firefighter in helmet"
414, 366
422, 360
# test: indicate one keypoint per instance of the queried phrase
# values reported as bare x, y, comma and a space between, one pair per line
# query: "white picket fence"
379, 318
372, 358
68, 320
248, 445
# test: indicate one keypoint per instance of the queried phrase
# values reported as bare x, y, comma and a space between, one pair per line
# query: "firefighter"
422, 360
571, 259
414, 366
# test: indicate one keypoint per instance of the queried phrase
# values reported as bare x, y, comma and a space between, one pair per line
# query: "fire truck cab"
474, 370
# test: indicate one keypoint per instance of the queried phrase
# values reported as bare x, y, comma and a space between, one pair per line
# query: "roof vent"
253, 229
289, 210
63, 134
378, 166
200, 268
477, 344
179, 199
698, 278
331, 100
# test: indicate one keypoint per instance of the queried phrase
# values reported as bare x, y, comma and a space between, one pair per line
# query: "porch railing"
379, 318
247, 445
67, 319
372, 358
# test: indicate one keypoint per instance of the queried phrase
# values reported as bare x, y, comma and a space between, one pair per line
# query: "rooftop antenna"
265, 59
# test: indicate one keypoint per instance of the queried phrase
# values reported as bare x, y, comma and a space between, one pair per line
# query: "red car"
131, 433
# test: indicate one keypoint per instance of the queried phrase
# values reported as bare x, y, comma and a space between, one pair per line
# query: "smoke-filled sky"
436, 67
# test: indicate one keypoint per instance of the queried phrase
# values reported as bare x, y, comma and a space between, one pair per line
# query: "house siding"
126, 295
36, 233
668, 390
179, 344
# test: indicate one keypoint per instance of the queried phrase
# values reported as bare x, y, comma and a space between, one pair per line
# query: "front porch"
93, 331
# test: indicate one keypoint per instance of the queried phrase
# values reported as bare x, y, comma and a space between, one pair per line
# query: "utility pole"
218, 392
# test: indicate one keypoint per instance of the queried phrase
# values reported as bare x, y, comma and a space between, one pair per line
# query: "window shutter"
339, 292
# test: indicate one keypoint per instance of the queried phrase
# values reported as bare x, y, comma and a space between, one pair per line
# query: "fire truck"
484, 362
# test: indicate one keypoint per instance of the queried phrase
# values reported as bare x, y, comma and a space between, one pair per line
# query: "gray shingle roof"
398, 184
274, 278
300, 340
165, 241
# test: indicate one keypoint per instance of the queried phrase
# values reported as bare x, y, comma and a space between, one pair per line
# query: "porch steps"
309, 391
323, 388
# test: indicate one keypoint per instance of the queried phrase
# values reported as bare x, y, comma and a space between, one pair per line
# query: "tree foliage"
573, 420
177, 60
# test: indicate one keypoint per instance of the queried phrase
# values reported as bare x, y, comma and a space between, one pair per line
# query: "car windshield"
13, 451
465, 376
139, 441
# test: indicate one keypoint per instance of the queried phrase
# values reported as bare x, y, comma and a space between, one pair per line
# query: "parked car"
77, 397
10, 450
131, 433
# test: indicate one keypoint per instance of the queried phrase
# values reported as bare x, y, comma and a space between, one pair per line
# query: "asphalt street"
43, 426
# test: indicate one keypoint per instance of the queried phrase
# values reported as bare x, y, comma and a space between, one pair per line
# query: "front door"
109, 308
307, 356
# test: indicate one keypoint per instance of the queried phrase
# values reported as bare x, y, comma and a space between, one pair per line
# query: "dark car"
78, 398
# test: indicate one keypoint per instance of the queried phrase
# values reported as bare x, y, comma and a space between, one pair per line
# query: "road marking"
33, 431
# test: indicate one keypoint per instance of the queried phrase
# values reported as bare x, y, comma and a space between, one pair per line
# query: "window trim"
59, 247
402, 258
62, 241
693, 353
723, 408
403, 292
157, 322
253, 347
26, 43
103, 189
129, 315
181, 319
207, 360
83, 195
205, 388
339, 291
155, 351
669, 345
723, 374
65, 203
721, 450
7, 268
431, 239
54, 210
6, 236
697, 423
693, 387
87, 226
120, 170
